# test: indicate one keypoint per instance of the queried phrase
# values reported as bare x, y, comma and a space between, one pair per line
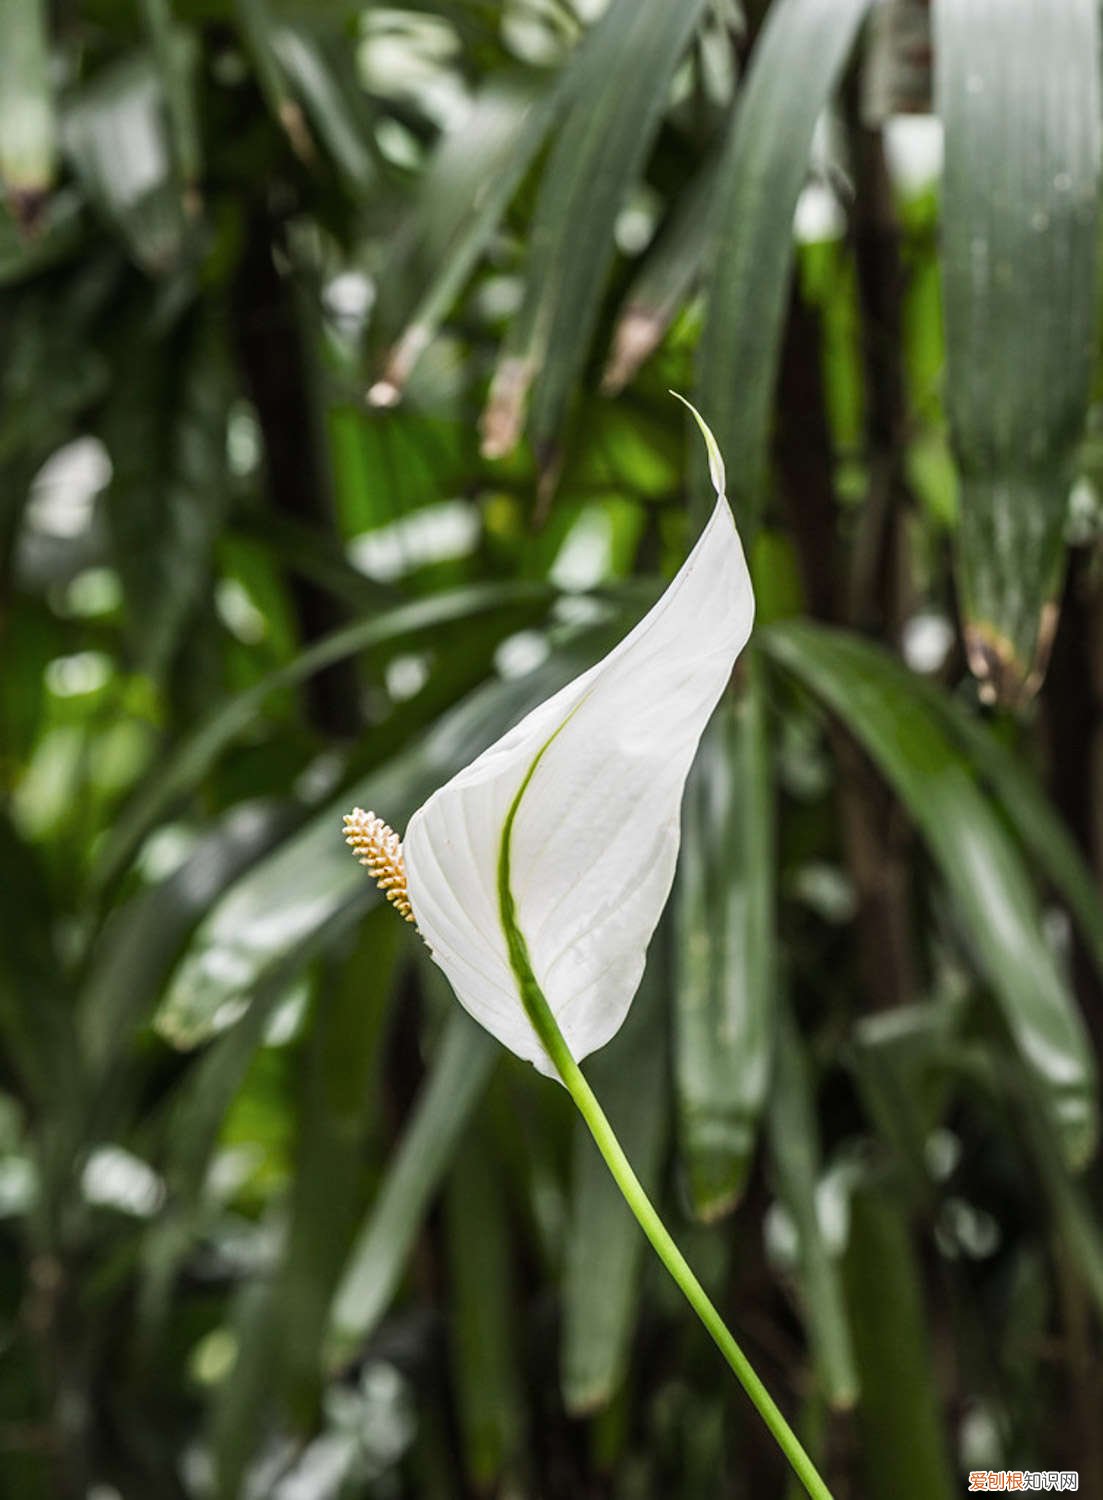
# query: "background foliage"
334, 434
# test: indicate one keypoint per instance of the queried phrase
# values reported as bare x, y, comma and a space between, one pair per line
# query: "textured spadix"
597, 774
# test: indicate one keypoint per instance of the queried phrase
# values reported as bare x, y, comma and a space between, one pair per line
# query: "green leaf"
338, 1104
176, 54
142, 940
901, 1059
259, 32
991, 887
1029, 812
191, 760
795, 1152
1018, 92
28, 134
1075, 1215
1034, 821
322, 72
486, 1376
671, 266
904, 1451
724, 990
114, 133
199, 1108
196, 1112
312, 875
457, 1077
794, 67
598, 156
474, 173
165, 428
604, 1248
35, 999
245, 1394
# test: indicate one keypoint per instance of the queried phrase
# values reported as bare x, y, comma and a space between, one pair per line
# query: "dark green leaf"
795, 1151
990, 885
482, 1335
457, 1076
724, 991
475, 172
794, 68
597, 159
28, 134
904, 1449
1018, 92
114, 133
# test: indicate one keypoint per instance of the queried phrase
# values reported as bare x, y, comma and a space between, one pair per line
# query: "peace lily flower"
537, 875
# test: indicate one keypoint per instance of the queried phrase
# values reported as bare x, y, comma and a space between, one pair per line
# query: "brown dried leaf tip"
379, 848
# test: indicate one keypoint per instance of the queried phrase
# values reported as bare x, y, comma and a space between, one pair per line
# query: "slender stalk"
676, 1263
547, 1029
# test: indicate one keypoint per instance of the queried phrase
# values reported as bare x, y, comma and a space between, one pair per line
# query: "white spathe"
595, 838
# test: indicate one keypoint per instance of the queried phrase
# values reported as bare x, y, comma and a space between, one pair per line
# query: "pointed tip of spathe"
716, 459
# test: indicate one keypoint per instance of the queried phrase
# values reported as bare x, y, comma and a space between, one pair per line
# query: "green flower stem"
675, 1262
547, 1029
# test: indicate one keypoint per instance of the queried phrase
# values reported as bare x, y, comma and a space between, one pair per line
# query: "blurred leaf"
597, 157
794, 67
671, 266
199, 1108
177, 54
604, 1253
457, 1076
322, 72
142, 940
28, 129
1030, 813
194, 756
35, 1001
313, 875
904, 1451
486, 1375
194, 1117
795, 1152
1018, 92
114, 133
259, 31
474, 173
724, 990
165, 428
246, 1392
338, 1102
900, 1059
1075, 1215
991, 887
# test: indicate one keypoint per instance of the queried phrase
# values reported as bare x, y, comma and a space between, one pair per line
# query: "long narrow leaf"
484, 1349
456, 1079
904, 1449
795, 1151
669, 270
337, 1105
28, 128
794, 68
724, 974
1018, 92
979, 861
474, 173
597, 158
195, 755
